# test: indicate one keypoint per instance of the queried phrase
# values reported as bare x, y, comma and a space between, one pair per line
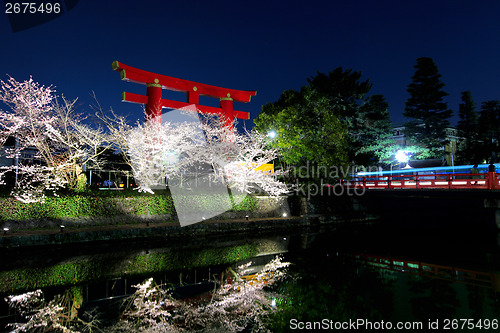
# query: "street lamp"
272, 134
402, 156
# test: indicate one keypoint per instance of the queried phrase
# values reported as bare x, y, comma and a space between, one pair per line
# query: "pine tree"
374, 132
468, 130
489, 127
428, 112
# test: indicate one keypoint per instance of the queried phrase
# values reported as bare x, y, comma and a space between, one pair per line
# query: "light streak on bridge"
426, 178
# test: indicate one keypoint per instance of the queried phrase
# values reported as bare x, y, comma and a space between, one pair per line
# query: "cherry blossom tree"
176, 149
62, 141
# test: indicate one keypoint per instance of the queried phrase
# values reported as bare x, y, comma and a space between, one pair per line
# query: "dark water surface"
371, 276
380, 277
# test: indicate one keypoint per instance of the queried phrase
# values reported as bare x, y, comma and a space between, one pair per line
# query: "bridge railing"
428, 181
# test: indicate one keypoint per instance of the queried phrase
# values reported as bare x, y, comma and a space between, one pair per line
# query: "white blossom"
54, 316
238, 303
174, 149
53, 130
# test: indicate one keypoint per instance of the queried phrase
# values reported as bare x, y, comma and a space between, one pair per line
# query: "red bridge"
488, 181
431, 196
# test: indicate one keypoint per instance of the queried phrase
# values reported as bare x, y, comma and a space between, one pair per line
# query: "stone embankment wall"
270, 214
267, 207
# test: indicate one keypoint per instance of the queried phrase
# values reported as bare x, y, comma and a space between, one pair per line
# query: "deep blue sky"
268, 46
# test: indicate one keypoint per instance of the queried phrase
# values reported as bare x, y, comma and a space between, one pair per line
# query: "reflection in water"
60, 269
338, 275
430, 270
404, 276
238, 302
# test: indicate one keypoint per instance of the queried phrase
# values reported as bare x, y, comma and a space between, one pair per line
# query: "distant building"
398, 135
26, 157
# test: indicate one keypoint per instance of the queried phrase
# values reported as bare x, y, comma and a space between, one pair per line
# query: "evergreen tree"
467, 152
374, 129
489, 127
428, 112
344, 90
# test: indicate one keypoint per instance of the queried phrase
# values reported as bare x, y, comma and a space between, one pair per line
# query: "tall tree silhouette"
429, 114
468, 130
489, 127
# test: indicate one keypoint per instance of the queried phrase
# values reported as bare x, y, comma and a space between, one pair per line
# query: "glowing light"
401, 156
285, 215
271, 134
273, 302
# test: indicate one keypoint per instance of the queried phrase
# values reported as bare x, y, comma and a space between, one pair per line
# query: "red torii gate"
156, 82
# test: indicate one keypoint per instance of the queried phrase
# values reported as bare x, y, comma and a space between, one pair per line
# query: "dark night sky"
268, 46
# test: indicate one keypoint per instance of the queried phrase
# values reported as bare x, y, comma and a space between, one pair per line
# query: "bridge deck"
484, 181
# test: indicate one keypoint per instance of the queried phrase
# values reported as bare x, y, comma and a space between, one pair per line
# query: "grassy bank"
112, 203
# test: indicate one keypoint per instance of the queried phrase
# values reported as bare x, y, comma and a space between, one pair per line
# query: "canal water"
364, 277
380, 277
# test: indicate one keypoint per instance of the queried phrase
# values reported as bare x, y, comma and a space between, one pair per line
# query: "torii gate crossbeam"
155, 103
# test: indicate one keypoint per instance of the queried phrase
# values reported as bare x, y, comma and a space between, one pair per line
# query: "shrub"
111, 204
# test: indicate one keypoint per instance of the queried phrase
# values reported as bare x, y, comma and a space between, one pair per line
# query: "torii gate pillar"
226, 104
154, 107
